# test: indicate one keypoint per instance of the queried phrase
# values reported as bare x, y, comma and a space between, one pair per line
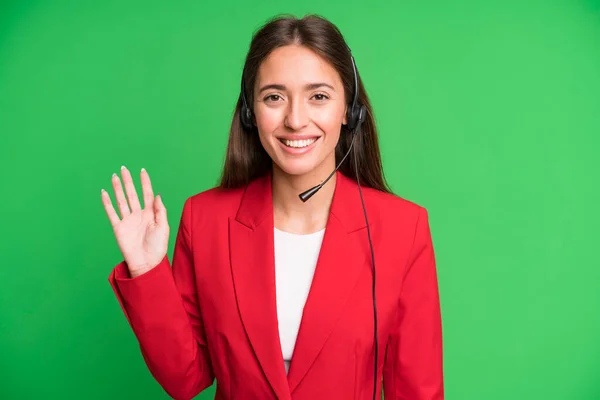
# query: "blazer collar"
257, 202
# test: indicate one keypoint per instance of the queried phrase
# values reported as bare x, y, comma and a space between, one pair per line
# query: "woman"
270, 293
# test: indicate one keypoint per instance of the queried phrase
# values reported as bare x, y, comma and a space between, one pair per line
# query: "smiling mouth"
298, 144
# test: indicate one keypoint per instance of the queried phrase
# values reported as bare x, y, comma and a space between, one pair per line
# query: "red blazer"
212, 312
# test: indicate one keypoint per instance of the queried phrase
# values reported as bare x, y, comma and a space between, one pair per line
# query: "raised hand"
142, 234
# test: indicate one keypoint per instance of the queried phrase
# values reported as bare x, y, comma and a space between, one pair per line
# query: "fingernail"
102, 190
114, 174
143, 169
122, 167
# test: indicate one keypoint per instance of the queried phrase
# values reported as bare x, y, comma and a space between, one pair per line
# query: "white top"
295, 261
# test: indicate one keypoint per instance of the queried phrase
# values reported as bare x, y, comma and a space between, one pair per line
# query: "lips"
299, 146
298, 143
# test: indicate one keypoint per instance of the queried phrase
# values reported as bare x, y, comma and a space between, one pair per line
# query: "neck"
293, 215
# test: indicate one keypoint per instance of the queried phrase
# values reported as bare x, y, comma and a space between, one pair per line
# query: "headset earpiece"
355, 115
356, 112
246, 117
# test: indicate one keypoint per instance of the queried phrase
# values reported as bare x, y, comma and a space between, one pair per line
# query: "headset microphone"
304, 196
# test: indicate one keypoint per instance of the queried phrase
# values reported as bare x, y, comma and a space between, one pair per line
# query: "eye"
321, 96
271, 96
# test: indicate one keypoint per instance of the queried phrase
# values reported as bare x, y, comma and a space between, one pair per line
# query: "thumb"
160, 211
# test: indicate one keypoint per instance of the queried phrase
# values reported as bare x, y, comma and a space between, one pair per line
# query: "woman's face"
299, 108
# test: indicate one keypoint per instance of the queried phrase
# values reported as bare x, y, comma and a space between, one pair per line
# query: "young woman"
272, 293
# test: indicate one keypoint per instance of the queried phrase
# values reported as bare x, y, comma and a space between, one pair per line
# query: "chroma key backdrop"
488, 114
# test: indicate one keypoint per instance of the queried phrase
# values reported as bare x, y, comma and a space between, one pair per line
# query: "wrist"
138, 270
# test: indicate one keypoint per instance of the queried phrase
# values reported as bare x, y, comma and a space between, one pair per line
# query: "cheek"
268, 120
330, 115
330, 122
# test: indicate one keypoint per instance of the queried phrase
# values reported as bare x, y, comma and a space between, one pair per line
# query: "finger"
160, 211
132, 197
147, 189
120, 196
108, 207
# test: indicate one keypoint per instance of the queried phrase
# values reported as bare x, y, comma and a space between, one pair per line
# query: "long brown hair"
246, 159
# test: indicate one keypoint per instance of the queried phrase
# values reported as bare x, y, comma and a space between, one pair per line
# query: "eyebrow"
310, 86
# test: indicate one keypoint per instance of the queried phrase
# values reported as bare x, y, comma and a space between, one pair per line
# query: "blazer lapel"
343, 258
253, 271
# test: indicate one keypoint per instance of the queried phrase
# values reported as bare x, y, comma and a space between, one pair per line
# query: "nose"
297, 115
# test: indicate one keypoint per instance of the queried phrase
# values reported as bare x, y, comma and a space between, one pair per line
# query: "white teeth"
298, 143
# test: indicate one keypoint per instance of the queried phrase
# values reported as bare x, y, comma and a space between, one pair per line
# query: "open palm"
142, 234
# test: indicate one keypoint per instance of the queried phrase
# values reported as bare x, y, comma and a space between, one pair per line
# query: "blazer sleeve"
162, 309
413, 367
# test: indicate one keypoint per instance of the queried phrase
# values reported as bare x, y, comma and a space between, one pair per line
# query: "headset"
355, 116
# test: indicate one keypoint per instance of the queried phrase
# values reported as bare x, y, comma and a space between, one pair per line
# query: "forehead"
293, 64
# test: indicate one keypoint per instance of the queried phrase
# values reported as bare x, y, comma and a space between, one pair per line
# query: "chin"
296, 169
298, 165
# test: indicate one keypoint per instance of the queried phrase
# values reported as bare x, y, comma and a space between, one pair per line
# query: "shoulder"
210, 205
217, 198
391, 202
392, 210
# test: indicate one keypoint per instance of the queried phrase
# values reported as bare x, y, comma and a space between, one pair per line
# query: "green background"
488, 114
